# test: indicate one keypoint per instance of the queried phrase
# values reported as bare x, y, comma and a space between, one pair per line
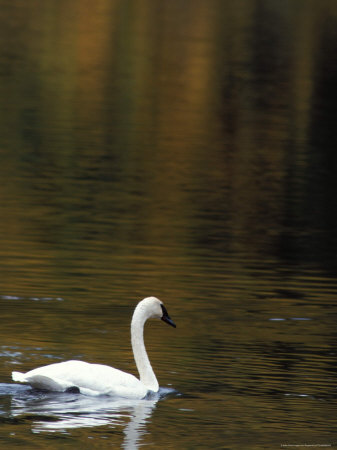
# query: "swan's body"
98, 379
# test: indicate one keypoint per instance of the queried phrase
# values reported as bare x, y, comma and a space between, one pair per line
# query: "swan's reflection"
55, 412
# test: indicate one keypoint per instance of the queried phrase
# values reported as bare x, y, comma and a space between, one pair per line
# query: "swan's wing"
101, 379
90, 379
47, 383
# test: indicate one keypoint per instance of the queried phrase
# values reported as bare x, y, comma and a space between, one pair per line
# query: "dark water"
185, 150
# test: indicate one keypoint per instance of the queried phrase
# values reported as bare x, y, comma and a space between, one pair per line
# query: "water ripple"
35, 299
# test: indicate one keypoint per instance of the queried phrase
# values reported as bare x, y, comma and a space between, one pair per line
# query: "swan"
99, 379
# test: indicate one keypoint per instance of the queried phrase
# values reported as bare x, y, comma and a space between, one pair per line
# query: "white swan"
98, 379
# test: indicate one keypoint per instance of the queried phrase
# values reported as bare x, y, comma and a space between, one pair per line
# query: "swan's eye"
166, 318
165, 313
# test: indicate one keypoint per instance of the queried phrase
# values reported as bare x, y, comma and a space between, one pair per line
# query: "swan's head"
152, 307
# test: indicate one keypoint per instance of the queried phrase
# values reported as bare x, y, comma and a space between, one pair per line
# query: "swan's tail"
49, 384
38, 381
41, 382
19, 377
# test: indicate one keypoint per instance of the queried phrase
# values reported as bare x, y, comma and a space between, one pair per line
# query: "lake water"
182, 149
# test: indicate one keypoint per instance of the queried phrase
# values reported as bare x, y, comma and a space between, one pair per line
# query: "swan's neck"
146, 374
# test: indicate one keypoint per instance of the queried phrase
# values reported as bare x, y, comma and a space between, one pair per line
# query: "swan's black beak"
166, 318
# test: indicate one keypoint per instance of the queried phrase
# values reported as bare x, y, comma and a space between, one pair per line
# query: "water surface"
184, 150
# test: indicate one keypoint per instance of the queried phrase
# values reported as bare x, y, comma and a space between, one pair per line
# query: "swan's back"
91, 379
